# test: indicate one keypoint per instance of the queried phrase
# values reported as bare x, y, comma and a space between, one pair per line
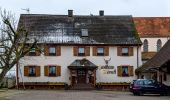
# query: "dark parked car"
131, 86
143, 86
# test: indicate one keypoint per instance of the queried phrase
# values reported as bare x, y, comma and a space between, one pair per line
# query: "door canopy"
82, 64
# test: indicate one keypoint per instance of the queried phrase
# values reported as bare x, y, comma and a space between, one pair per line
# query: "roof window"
84, 32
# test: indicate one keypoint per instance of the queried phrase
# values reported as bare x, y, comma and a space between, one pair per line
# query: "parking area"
74, 95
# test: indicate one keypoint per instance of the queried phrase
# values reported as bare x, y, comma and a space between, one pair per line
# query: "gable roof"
152, 26
158, 60
63, 29
82, 63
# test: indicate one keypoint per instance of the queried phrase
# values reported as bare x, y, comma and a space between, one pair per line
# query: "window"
148, 82
145, 45
139, 82
81, 51
32, 52
125, 51
100, 51
125, 71
52, 51
52, 70
32, 71
84, 32
159, 45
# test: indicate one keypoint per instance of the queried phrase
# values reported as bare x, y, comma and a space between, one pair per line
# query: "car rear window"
148, 82
139, 82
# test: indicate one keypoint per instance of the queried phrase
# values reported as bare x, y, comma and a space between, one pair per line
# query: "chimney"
70, 13
101, 12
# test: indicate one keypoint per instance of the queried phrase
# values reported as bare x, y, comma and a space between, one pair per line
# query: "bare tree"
13, 43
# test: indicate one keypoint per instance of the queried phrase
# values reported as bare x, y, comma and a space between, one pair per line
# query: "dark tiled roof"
64, 29
152, 26
158, 60
147, 55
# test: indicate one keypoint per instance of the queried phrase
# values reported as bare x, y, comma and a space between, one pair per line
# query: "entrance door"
81, 76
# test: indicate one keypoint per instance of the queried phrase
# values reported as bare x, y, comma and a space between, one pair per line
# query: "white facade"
67, 58
152, 42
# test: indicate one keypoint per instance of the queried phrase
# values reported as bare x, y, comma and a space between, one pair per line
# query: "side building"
80, 51
158, 67
154, 33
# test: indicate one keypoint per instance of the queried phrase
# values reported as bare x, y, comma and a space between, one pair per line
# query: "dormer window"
32, 52
52, 51
84, 32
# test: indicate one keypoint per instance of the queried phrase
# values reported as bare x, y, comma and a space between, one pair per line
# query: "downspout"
137, 60
137, 56
17, 78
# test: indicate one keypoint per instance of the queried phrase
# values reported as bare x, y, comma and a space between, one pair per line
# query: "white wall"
67, 58
152, 43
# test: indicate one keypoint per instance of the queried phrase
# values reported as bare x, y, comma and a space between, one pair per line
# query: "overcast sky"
85, 7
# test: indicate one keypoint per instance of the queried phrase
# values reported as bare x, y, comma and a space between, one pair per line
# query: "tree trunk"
2, 75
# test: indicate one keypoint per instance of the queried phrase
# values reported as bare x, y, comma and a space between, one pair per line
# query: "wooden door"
81, 76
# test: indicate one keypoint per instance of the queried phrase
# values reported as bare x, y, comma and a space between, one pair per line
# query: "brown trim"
37, 70
75, 51
46, 70
26, 70
68, 44
87, 51
58, 70
58, 51
94, 51
106, 51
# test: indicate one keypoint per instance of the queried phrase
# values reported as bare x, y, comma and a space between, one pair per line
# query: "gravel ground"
74, 95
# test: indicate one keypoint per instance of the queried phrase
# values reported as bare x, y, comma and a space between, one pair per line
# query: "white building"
78, 50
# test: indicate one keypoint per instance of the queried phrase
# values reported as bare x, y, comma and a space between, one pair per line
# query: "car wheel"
134, 93
140, 93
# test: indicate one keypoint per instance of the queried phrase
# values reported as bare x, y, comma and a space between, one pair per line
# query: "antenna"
27, 10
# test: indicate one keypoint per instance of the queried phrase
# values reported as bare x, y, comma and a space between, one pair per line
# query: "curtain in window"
31, 70
52, 70
124, 70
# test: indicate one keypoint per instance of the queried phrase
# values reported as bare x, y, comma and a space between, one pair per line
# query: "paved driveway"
75, 95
